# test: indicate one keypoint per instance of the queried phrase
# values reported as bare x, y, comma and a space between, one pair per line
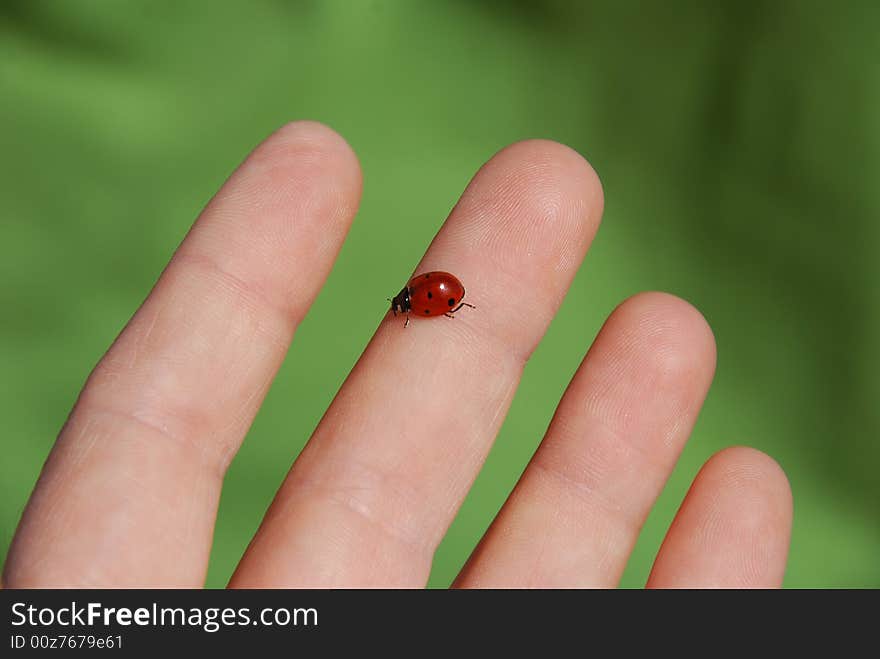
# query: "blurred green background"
739, 147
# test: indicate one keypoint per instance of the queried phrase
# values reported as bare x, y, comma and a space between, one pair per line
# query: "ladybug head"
400, 303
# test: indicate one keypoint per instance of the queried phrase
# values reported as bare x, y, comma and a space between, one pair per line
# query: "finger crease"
214, 457
254, 296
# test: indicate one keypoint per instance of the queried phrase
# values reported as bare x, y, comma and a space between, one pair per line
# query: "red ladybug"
430, 294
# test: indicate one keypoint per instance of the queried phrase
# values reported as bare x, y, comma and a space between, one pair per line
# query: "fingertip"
754, 482
527, 217
312, 133
662, 343
286, 210
734, 526
554, 181
674, 334
567, 158
312, 154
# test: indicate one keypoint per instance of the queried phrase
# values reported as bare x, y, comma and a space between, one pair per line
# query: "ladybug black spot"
430, 295
427, 275
427, 312
452, 302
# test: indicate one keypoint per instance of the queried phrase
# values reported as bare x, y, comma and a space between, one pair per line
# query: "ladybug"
430, 294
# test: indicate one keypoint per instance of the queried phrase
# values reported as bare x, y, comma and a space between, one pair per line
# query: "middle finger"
379, 482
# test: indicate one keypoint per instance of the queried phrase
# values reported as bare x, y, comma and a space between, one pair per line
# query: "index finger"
129, 494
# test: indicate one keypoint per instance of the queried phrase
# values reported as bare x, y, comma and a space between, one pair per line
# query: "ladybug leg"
407, 320
460, 304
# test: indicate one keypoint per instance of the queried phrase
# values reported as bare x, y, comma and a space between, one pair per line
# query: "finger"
732, 530
130, 491
381, 478
576, 512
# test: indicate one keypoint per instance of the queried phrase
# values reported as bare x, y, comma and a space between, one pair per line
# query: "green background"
739, 147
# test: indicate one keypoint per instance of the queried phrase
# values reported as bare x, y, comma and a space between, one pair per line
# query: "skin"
129, 494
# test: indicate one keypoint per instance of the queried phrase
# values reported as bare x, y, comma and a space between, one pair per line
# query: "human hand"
129, 494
